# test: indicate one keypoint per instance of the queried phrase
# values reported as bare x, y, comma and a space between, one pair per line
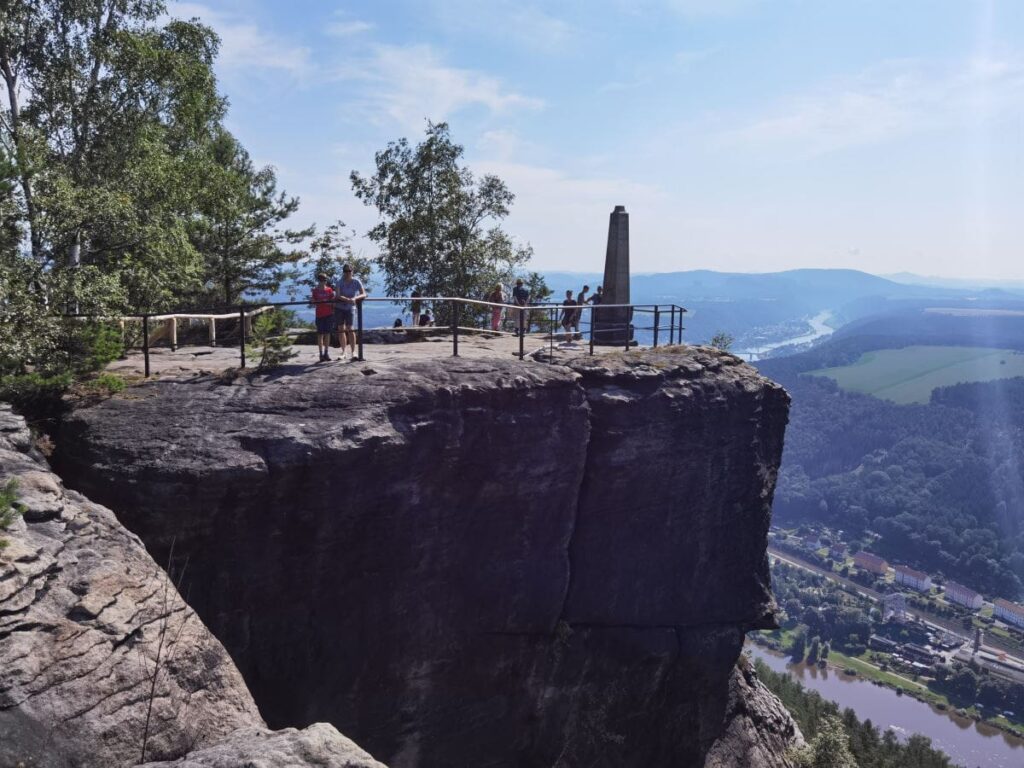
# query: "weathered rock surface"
318, 745
759, 732
466, 562
87, 621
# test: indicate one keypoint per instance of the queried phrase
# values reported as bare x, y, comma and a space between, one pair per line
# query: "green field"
909, 375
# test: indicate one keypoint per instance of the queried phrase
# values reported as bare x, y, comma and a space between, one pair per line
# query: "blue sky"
743, 135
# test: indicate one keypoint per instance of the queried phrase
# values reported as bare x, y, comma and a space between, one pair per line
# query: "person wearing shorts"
568, 315
348, 291
323, 296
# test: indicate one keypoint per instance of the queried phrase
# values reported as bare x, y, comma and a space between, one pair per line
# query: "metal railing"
599, 331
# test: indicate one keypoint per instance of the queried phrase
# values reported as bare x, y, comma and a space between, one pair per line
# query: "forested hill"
941, 483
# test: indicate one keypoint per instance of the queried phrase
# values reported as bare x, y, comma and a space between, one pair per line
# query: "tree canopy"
439, 230
120, 189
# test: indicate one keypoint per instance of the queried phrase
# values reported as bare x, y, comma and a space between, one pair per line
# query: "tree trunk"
20, 151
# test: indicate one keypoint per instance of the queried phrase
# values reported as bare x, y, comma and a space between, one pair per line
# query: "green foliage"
270, 347
9, 508
540, 293
244, 246
38, 396
331, 250
830, 748
120, 190
438, 229
105, 384
107, 131
722, 341
839, 735
938, 482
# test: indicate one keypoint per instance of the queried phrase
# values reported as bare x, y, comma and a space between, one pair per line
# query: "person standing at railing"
496, 296
521, 298
323, 296
415, 306
568, 315
349, 292
581, 301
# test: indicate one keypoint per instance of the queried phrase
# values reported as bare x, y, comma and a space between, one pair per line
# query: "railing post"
455, 328
522, 333
657, 320
592, 311
625, 327
145, 343
359, 327
241, 332
174, 334
672, 326
551, 333
213, 332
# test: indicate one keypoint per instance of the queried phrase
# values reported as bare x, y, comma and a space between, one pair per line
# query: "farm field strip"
910, 374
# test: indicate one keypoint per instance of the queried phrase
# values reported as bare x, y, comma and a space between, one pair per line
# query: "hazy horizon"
741, 135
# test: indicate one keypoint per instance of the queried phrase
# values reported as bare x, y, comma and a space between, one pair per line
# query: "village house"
909, 577
1009, 612
958, 593
873, 563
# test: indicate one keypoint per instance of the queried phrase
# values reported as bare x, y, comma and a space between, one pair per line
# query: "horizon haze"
740, 135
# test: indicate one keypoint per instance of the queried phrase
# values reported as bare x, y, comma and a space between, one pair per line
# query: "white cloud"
526, 25
348, 28
409, 84
695, 8
244, 46
888, 102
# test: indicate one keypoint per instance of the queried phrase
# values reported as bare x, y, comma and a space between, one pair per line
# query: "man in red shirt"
323, 300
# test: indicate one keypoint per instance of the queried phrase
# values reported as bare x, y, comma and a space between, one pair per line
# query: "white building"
958, 593
908, 577
1009, 612
894, 606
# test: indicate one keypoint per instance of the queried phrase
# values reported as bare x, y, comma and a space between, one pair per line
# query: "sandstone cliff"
468, 562
99, 653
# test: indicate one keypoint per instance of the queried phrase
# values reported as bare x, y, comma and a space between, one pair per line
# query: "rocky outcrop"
758, 731
99, 653
317, 745
463, 562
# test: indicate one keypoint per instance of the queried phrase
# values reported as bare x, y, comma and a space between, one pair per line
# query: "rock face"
456, 562
99, 653
94, 637
318, 745
758, 730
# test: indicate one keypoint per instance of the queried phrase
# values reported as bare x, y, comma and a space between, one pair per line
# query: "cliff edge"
102, 662
468, 562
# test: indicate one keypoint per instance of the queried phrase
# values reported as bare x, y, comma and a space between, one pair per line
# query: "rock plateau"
468, 562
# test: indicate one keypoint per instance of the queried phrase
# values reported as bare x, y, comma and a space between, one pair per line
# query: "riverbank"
967, 741
863, 668
821, 326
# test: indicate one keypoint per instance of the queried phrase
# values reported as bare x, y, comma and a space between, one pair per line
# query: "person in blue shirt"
348, 291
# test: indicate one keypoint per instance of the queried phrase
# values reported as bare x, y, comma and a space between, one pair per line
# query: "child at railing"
322, 297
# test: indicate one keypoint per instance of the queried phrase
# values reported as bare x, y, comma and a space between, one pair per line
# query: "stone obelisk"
614, 326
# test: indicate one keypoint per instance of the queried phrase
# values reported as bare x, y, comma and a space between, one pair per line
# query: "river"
968, 743
819, 329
